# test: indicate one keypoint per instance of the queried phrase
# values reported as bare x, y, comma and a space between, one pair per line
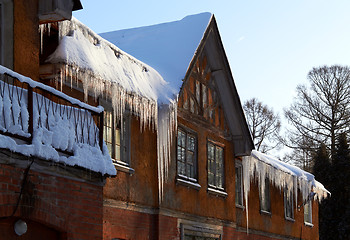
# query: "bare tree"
320, 111
264, 125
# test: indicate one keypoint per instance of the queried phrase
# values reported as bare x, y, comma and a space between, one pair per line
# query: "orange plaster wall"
276, 222
142, 186
26, 38
200, 202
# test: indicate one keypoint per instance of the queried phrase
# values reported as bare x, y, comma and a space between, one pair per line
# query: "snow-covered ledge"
50, 131
284, 176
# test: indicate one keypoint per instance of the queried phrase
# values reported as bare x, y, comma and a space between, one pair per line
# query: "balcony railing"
30, 111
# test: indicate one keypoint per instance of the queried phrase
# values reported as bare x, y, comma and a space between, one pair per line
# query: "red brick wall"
71, 207
125, 224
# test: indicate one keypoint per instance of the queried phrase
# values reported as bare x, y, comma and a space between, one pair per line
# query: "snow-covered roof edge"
289, 169
81, 45
102, 60
284, 176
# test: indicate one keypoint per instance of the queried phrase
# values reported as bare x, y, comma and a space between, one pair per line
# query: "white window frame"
239, 168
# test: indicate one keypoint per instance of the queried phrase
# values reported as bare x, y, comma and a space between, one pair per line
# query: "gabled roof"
172, 49
167, 47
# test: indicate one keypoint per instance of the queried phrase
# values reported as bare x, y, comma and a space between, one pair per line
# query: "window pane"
308, 212
191, 143
210, 151
181, 168
107, 131
117, 152
109, 146
211, 179
289, 204
265, 196
238, 179
117, 136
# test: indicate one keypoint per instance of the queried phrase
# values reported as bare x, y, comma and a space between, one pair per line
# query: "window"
239, 184
6, 33
190, 230
190, 237
308, 213
186, 154
265, 200
215, 166
116, 136
288, 205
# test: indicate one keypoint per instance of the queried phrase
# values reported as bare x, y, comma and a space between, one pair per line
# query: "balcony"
37, 120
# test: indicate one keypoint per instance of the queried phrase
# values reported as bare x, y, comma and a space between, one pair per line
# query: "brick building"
46, 191
172, 126
214, 176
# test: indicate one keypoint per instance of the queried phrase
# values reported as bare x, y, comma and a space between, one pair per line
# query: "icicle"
41, 30
246, 184
49, 29
289, 181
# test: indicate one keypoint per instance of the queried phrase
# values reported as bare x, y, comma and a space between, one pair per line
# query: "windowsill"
123, 167
264, 212
240, 206
308, 224
290, 219
217, 192
187, 183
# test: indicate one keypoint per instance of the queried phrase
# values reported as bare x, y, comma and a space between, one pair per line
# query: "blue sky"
271, 45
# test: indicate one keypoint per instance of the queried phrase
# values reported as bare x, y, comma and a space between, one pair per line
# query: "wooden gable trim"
241, 137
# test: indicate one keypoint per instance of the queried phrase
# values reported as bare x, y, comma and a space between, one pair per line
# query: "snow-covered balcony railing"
29, 109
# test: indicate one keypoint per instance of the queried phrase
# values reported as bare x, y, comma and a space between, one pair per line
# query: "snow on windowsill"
289, 219
187, 183
121, 166
308, 224
267, 213
240, 206
217, 192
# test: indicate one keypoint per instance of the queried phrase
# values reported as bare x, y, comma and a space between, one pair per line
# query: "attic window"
199, 94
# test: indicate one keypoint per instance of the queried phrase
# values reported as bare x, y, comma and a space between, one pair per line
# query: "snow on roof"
103, 67
291, 170
286, 177
167, 47
81, 47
